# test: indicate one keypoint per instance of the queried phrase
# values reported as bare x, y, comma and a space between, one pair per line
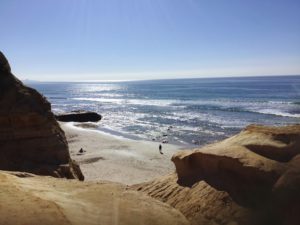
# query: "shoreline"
96, 126
108, 157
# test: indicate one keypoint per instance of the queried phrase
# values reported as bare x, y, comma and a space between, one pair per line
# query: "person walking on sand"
160, 149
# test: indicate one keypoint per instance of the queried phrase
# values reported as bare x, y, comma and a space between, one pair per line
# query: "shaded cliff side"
250, 178
30, 138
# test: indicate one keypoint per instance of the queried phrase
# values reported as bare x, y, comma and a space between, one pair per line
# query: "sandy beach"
117, 159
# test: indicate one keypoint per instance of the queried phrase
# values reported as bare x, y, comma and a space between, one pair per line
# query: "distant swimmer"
160, 149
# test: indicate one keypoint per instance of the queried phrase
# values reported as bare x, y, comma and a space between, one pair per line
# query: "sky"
73, 40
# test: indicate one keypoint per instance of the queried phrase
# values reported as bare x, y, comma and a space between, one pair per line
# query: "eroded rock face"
245, 165
77, 203
257, 171
201, 203
277, 143
30, 138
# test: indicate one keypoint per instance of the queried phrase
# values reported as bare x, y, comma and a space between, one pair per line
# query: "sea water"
182, 111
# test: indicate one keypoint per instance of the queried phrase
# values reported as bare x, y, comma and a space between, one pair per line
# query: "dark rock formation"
79, 116
286, 192
30, 138
256, 171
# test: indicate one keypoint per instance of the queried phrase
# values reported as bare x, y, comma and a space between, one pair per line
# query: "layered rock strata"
30, 138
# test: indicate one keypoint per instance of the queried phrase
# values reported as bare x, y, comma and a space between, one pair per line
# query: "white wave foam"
103, 100
278, 113
108, 95
278, 108
150, 102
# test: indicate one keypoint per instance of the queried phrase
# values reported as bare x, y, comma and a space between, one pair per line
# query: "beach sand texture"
117, 159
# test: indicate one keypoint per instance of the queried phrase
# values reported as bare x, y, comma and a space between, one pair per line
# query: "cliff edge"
250, 178
30, 138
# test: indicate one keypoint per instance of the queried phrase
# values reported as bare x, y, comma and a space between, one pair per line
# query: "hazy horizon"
84, 40
158, 79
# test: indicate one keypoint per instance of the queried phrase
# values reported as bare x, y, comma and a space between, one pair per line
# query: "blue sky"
150, 39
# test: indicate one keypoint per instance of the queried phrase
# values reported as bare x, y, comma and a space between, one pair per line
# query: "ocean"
187, 112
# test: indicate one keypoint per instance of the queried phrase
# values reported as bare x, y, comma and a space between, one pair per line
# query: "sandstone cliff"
26, 199
250, 178
30, 138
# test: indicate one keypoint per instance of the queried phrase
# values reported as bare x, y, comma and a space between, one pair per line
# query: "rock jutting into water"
79, 116
30, 138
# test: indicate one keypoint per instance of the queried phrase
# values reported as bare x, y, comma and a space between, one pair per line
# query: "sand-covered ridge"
117, 159
27, 199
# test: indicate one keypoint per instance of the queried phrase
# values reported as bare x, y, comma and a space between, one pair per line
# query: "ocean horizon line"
160, 79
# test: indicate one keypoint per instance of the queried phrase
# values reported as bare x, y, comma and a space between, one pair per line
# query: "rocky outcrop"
257, 171
30, 138
243, 165
201, 204
277, 143
57, 201
79, 116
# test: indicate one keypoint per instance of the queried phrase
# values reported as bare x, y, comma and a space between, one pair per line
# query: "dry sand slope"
26, 199
117, 159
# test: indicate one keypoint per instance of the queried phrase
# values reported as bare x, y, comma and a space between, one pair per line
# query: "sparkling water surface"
182, 111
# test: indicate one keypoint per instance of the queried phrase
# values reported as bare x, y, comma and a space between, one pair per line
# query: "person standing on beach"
160, 149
